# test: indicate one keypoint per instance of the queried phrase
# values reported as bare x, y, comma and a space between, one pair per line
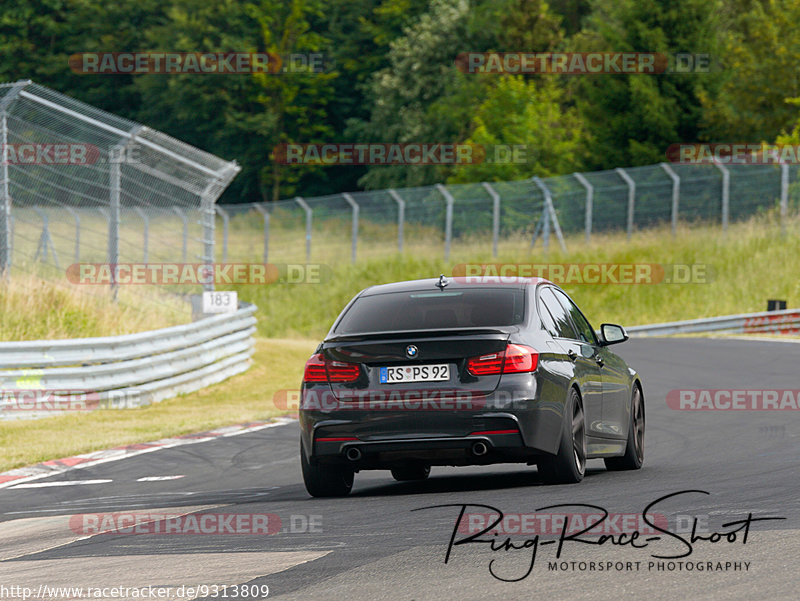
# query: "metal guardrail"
774, 322
123, 371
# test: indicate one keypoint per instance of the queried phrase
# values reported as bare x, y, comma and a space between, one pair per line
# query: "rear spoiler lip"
431, 333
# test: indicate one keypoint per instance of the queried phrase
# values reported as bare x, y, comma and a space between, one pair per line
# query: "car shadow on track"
458, 483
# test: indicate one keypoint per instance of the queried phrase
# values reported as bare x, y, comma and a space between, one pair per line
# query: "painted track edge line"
46, 469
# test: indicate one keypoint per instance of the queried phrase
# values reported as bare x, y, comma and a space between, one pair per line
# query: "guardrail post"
631, 197
587, 220
676, 194
784, 195
77, 219
185, 221
265, 216
113, 224
401, 217
309, 215
448, 219
550, 209
354, 235
726, 194
495, 216
225, 220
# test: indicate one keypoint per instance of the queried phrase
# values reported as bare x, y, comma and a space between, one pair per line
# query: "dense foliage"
390, 75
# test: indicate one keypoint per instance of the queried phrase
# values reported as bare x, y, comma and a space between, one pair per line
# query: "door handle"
599, 360
572, 355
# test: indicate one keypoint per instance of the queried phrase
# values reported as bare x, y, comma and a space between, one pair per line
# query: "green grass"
748, 265
277, 365
745, 267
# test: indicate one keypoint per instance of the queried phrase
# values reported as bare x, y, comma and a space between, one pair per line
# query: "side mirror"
611, 333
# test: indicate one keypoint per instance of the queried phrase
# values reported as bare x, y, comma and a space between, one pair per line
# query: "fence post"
448, 219
146, 237
589, 205
77, 219
726, 194
265, 216
225, 219
495, 216
550, 209
5, 196
45, 240
631, 197
299, 200
208, 213
113, 224
354, 234
784, 195
401, 217
676, 194
185, 221
5, 203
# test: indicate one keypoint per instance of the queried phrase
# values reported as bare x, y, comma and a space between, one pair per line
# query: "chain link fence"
504, 217
80, 185
83, 186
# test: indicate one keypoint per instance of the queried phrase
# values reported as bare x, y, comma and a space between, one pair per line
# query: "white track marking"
60, 483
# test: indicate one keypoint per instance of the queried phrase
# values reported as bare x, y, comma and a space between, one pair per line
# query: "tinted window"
434, 310
547, 319
564, 328
585, 330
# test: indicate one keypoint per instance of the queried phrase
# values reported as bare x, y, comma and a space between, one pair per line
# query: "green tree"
633, 118
530, 115
760, 53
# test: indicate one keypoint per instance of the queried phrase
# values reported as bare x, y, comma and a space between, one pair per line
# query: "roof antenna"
442, 282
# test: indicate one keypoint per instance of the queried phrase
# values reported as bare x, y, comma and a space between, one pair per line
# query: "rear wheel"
634, 450
411, 472
325, 480
568, 465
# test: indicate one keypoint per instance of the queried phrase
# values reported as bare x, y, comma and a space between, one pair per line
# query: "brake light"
315, 369
519, 359
516, 358
343, 372
320, 369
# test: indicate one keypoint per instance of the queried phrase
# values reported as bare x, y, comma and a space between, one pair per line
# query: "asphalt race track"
373, 546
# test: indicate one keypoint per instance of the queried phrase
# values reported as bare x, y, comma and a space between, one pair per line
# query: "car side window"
547, 319
585, 330
563, 324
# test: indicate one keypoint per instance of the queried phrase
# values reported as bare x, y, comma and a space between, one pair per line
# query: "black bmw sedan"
449, 372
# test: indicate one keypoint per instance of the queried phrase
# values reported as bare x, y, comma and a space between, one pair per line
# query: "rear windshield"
434, 310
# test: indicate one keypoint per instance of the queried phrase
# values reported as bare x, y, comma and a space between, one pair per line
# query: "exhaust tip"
479, 449
353, 453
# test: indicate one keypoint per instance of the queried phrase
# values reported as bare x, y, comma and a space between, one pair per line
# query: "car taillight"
343, 372
517, 358
321, 369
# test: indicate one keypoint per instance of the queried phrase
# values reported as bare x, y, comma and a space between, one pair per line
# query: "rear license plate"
415, 373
